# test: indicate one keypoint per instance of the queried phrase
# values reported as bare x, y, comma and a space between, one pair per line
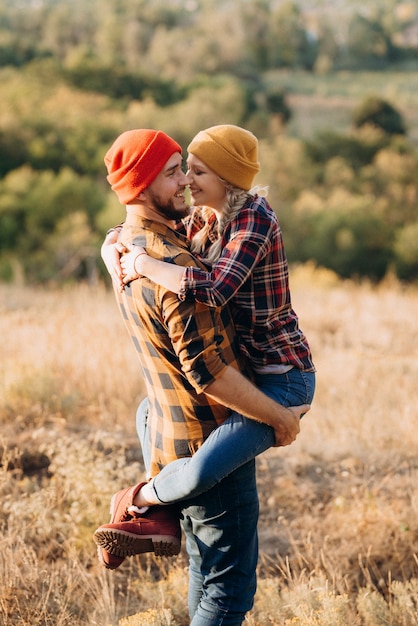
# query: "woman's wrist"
136, 261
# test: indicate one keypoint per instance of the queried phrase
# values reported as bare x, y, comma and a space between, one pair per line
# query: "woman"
237, 233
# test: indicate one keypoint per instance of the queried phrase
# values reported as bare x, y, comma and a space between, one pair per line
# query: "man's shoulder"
160, 241
171, 246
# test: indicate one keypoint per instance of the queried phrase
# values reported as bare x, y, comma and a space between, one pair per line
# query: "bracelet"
137, 256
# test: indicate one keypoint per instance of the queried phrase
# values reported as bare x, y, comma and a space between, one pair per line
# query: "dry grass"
339, 523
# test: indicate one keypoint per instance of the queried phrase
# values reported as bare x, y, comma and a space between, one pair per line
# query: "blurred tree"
13, 152
368, 44
290, 43
338, 173
69, 253
119, 82
75, 74
286, 168
267, 111
351, 239
212, 43
67, 26
357, 150
377, 112
21, 32
328, 51
394, 179
276, 104
222, 99
256, 25
406, 252
287, 171
32, 206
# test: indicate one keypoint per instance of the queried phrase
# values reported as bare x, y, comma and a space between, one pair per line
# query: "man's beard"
167, 209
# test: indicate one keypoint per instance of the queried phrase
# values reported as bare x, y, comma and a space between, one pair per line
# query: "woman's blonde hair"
235, 200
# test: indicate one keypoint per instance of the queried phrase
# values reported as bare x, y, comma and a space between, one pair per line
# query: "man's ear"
142, 196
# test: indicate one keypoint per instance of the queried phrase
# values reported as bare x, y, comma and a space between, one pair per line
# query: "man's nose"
186, 178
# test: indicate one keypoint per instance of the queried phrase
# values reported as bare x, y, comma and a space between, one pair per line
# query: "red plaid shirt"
252, 275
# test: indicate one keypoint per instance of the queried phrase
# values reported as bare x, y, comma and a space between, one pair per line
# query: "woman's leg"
229, 446
232, 444
290, 389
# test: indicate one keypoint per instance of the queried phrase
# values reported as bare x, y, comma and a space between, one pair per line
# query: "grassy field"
339, 508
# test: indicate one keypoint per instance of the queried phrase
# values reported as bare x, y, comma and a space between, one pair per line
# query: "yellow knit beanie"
229, 151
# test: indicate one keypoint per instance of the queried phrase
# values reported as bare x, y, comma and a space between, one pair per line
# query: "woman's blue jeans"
234, 443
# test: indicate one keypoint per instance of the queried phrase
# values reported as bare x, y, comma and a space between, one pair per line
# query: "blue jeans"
233, 443
220, 527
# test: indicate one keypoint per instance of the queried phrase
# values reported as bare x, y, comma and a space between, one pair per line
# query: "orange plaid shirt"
182, 348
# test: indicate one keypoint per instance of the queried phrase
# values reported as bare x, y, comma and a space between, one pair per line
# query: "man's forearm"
236, 392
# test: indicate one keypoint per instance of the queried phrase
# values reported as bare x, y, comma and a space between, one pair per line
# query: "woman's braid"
235, 200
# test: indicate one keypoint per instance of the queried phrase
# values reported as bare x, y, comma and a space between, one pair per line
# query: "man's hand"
237, 393
288, 427
111, 251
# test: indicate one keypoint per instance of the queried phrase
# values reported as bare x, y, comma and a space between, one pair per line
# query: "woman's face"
205, 187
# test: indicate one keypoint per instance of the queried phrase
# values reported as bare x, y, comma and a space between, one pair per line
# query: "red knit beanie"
135, 159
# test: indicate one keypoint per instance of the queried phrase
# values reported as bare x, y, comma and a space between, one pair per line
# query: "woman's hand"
111, 252
131, 264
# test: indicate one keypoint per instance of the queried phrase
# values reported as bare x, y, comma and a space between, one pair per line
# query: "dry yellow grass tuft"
339, 508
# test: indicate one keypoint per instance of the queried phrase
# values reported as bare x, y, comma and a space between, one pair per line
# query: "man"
193, 378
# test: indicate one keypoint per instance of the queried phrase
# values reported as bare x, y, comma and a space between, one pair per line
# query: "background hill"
328, 87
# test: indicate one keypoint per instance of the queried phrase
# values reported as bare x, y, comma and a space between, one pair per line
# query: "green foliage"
351, 240
204, 35
291, 44
13, 152
351, 147
381, 114
276, 104
221, 98
33, 209
369, 46
406, 251
76, 74
120, 82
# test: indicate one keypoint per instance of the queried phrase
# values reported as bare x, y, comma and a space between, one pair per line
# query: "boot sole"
103, 562
122, 543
